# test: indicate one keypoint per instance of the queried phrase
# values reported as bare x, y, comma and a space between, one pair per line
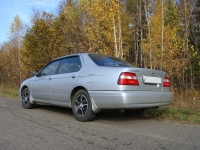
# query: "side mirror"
36, 73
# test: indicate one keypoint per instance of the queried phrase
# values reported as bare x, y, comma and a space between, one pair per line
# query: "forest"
155, 34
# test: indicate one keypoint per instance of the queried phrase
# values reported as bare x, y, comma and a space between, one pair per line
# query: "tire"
134, 112
82, 107
26, 99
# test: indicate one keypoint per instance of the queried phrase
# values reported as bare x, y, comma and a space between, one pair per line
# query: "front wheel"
26, 99
82, 107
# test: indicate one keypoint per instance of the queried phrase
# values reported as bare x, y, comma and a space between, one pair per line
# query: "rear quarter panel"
102, 78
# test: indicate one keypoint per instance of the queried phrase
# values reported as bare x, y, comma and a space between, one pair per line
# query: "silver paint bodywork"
101, 84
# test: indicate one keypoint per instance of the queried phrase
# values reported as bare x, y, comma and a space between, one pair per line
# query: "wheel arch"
25, 86
75, 90
94, 107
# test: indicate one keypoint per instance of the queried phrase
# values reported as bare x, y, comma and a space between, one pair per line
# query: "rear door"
65, 78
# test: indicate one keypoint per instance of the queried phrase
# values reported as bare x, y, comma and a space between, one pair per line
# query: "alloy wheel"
25, 97
81, 105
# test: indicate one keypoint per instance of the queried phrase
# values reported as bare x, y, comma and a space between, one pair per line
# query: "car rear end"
128, 87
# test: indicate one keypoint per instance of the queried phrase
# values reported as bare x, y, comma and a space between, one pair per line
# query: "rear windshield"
109, 61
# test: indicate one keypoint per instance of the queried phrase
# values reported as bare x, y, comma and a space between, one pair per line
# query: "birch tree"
16, 35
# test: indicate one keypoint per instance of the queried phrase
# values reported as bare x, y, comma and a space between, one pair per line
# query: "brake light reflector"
128, 78
166, 82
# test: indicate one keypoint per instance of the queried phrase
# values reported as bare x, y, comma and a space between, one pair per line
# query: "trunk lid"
149, 80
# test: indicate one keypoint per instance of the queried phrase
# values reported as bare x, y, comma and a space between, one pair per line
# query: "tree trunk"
162, 38
120, 32
149, 31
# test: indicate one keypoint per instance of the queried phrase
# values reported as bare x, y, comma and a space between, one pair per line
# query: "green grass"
9, 92
182, 115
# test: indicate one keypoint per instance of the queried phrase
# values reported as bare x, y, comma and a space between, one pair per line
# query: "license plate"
151, 80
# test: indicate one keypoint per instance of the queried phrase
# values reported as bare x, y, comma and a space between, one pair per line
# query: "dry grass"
189, 99
8, 92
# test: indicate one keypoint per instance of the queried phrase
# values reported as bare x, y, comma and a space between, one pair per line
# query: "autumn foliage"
163, 35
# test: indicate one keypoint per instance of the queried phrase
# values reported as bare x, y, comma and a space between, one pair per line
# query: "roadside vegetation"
155, 34
7, 92
173, 114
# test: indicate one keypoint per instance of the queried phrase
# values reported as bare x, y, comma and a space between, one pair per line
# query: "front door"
41, 86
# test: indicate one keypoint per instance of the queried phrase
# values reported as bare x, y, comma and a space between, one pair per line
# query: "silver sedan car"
89, 83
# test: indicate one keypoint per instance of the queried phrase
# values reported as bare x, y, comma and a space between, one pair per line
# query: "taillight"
166, 82
127, 78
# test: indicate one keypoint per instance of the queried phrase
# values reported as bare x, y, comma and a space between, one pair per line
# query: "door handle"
73, 76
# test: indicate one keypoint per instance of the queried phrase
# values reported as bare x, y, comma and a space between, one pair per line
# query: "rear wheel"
134, 112
26, 99
82, 107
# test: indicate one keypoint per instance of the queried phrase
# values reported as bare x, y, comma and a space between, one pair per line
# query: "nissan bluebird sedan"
89, 83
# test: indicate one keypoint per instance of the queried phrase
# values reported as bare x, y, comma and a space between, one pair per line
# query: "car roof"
70, 55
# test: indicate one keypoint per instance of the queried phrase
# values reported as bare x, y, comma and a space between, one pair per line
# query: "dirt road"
50, 127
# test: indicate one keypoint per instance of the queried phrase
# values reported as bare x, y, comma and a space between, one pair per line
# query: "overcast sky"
10, 8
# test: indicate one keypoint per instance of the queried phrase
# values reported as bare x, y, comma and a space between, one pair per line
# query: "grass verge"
9, 92
167, 113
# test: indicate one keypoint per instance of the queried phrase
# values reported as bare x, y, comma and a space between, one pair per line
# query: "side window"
71, 64
50, 68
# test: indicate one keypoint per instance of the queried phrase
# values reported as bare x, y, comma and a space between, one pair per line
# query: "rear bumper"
129, 99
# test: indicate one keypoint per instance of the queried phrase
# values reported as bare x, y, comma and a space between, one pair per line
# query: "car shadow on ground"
112, 115
116, 115
54, 109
